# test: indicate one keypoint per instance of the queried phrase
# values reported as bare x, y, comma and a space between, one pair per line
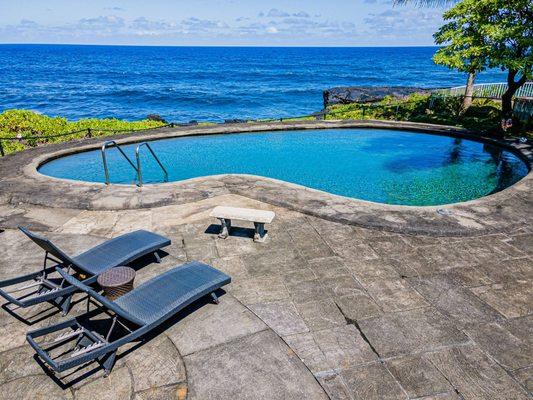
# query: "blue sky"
217, 22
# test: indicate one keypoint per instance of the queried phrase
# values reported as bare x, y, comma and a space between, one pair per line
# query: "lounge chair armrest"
23, 301
41, 353
111, 305
32, 336
87, 289
27, 277
73, 281
12, 299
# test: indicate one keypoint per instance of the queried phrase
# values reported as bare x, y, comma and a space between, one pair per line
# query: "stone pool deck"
345, 300
504, 211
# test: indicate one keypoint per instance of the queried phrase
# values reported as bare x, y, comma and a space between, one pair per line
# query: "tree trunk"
469, 92
507, 97
507, 103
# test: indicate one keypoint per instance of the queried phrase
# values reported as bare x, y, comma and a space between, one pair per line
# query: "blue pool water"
385, 166
204, 83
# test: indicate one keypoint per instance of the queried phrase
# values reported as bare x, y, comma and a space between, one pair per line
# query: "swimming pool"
384, 166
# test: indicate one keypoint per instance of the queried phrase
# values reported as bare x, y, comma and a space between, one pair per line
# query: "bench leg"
259, 235
225, 228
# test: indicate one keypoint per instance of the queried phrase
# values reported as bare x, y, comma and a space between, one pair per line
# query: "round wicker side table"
116, 281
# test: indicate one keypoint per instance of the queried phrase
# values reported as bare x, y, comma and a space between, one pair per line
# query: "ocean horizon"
204, 83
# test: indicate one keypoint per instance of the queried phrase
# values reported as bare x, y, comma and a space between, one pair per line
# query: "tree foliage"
465, 48
483, 34
496, 33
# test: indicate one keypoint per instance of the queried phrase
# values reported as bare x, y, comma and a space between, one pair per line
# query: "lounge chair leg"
157, 258
64, 304
108, 362
225, 228
214, 297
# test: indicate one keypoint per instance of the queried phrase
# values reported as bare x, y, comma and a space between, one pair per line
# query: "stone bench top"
244, 214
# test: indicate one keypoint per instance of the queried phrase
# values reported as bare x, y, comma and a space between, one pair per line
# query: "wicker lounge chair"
42, 286
138, 311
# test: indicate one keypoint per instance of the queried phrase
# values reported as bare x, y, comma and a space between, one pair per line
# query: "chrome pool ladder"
104, 158
138, 169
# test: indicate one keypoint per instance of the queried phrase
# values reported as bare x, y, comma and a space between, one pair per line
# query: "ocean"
203, 83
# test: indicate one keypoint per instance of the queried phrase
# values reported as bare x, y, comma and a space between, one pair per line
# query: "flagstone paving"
321, 310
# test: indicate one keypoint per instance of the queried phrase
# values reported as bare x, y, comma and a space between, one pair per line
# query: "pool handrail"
104, 159
139, 169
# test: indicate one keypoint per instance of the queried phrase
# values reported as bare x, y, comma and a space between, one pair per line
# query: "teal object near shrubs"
384, 166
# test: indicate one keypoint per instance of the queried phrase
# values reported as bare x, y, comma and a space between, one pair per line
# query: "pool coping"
506, 210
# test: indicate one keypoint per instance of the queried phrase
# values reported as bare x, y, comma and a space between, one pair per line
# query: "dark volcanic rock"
156, 117
354, 94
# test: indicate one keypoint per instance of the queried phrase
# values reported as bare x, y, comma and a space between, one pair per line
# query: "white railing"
490, 90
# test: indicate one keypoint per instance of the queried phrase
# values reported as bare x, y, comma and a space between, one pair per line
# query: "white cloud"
110, 22
390, 26
404, 21
275, 13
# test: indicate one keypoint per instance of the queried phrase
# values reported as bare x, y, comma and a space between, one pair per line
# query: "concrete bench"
258, 217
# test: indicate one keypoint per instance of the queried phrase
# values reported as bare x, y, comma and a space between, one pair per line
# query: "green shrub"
388, 108
37, 126
483, 115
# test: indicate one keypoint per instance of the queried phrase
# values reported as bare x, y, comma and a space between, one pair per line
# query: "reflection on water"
455, 151
504, 172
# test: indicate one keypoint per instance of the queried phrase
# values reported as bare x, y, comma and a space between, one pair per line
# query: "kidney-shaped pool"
385, 166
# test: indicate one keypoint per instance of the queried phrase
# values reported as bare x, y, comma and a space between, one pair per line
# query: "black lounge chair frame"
180, 286
86, 263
